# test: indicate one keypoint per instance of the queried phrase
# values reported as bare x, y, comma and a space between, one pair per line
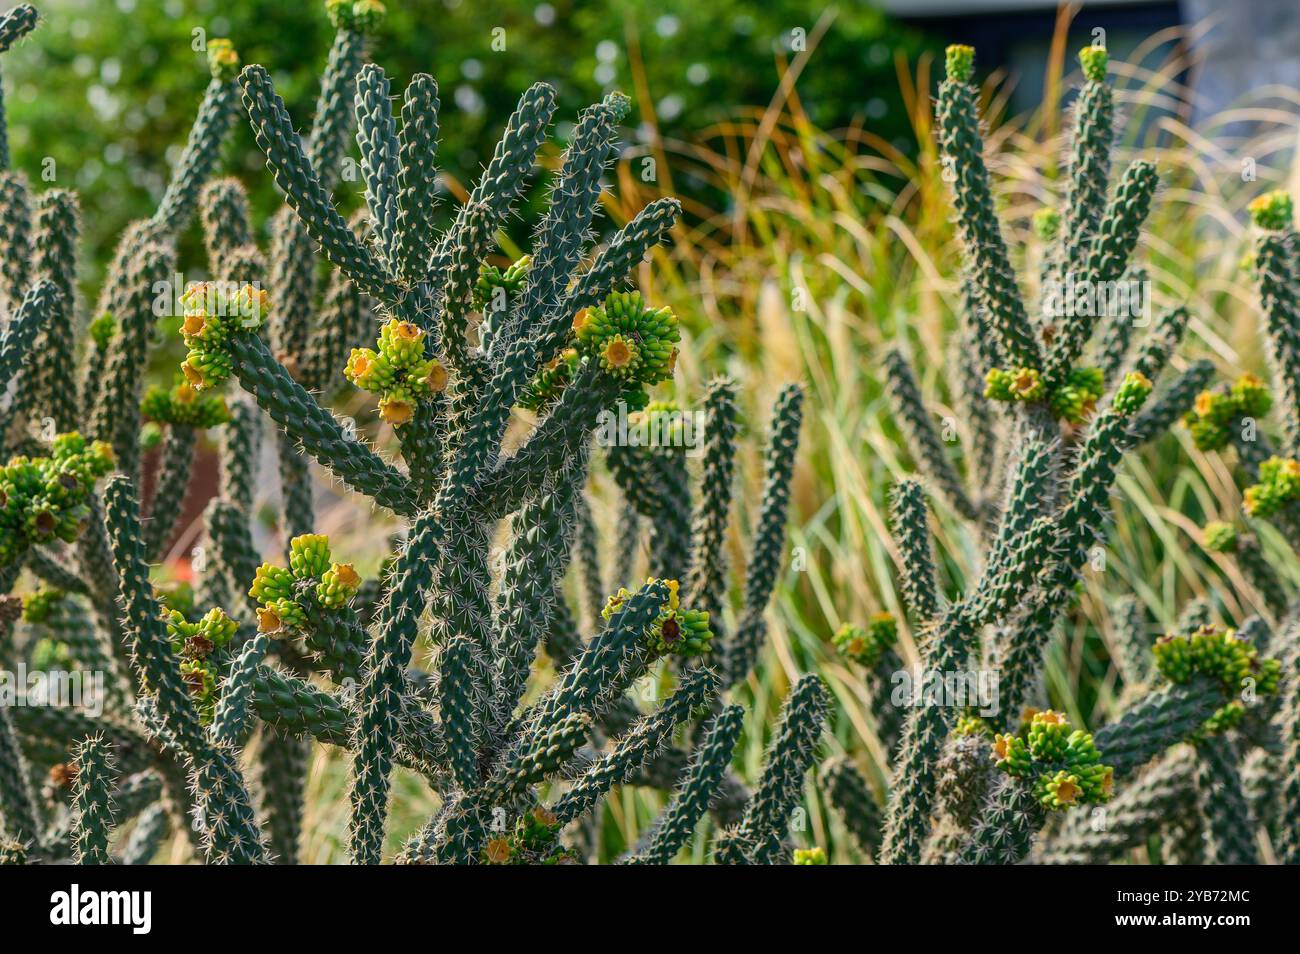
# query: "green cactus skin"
14, 25
173, 481
1117, 332
15, 233
115, 415
38, 309
92, 811
295, 175
1154, 353
283, 761
1007, 827
1131, 645
1089, 165
314, 428
1107, 259
57, 231
640, 743
469, 728
1162, 718
1288, 816
225, 810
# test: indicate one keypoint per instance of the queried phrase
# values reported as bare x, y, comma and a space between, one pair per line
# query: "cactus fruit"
290, 651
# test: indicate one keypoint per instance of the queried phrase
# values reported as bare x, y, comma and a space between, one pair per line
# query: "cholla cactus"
301, 648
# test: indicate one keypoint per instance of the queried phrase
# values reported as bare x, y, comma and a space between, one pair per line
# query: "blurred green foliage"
101, 96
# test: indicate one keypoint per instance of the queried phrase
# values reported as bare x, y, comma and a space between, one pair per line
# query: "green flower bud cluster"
178, 596
1132, 392
1063, 762
535, 840
1213, 413
280, 591
1279, 485
491, 277
102, 330
1219, 537
1073, 400
196, 644
44, 498
629, 339
1216, 652
1094, 60
1272, 210
37, 606
51, 655
810, 856
1021, 384
959, 60
675, 631
212, 313
183, 405
223, 61
360, 16
867, 646
398, 371
151, 435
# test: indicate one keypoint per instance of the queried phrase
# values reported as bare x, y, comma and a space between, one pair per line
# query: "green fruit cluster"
311, 574
183, 405
45, 498
1272, 210
361, 16
810, 856
223, 61
397, 371
1216, 652
549, 382
1219, 537
38, 605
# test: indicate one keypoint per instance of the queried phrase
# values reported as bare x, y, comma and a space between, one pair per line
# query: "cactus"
285, 650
